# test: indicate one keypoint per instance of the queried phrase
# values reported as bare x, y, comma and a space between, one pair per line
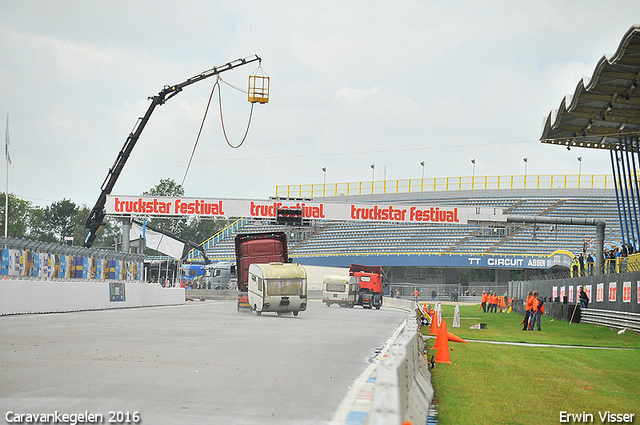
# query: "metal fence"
612, 291
437, 184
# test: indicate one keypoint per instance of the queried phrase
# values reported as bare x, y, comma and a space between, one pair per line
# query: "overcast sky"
353, 83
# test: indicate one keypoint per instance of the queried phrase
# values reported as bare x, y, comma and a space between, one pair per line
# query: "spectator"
589, 265
575, 267
584, 298
538, 309
433, 295
527, 313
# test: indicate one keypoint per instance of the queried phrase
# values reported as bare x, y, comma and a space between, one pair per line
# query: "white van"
279, 287
341, 290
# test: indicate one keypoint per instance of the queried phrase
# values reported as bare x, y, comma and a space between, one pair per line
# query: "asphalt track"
198, 363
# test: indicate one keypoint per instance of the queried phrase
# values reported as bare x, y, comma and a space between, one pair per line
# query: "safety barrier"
24, 296
611, 319
402, 391
28, 258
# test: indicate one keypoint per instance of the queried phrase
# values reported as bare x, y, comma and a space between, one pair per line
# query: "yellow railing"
435, 184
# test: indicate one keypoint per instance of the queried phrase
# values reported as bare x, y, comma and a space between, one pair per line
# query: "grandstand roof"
603, 108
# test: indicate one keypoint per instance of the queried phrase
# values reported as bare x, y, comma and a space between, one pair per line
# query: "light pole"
373, 172
579, 170
579, 165
473, 168
324, 180
525, 166
422, 163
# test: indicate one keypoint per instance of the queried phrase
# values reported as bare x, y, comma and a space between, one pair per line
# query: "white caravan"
279, 287
341, 290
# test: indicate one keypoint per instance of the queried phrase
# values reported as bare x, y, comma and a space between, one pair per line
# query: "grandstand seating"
338, 238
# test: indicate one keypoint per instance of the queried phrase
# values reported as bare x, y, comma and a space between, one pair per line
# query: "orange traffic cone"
439, 334
452, 337
434, 323
442, 356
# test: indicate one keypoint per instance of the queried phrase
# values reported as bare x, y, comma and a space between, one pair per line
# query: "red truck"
257, 248
370, 279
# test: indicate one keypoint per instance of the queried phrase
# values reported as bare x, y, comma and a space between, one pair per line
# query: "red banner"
612, 291
375, 212
626, 292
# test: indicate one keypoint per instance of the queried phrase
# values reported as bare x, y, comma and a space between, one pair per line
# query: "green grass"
505, 384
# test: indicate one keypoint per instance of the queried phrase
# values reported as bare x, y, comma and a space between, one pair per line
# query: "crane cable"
222, 119
206, 111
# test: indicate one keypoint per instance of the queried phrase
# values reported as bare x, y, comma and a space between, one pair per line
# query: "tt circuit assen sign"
375, 212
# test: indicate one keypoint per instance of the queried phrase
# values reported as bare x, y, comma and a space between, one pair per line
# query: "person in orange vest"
527, 313
415, 294
484, 301
538, 309
501, 303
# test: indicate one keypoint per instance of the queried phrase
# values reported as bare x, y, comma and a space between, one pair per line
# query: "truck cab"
370, 280
220, 275
277, 287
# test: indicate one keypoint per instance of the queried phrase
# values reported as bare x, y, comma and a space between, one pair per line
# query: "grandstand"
339, 243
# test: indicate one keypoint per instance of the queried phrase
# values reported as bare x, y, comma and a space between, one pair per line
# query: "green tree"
167, 187
39, 229
199, 230
18, 225
54, 222
106, 236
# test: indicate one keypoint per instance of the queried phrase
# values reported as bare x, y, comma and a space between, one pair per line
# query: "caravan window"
284, 286
336, 287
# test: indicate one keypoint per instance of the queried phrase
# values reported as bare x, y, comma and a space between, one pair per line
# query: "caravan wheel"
295, 313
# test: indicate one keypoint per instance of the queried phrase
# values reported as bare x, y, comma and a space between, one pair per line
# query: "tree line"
62, 220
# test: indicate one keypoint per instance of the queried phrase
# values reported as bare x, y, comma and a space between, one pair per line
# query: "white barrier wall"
402, 391
40, 296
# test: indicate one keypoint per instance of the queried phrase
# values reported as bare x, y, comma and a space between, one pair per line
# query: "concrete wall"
44, 296
402, 392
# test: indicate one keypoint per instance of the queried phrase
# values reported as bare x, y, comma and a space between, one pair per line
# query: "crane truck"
370, 281
96, 217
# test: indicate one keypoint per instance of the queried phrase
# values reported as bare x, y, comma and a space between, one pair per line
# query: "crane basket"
259, 87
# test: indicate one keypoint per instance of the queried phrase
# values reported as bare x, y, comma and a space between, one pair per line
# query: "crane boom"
96, 217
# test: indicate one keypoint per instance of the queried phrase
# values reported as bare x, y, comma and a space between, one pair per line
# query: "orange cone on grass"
442, 356
454, 338
434, 323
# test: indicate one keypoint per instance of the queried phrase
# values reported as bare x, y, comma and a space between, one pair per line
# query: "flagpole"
6, 192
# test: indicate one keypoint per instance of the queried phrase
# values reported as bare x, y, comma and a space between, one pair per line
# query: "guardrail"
611, 319
402, 391
437, 184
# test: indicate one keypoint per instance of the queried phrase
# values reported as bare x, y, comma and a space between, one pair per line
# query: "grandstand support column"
599, 224
126, 233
